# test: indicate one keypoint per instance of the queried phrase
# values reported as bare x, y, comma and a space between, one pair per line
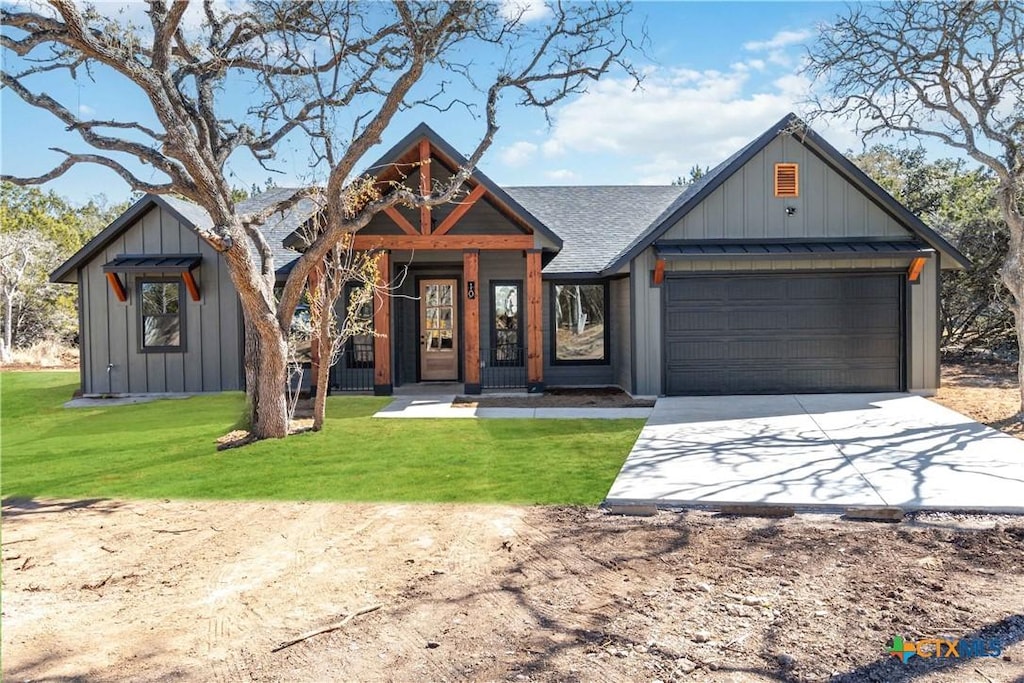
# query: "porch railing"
354, 370
503, 367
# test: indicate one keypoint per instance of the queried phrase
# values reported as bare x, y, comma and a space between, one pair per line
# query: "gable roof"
453, 159
790, 123
279, 225
196, 218
184, 211
595, 222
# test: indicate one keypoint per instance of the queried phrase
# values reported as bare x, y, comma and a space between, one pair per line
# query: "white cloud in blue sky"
716, 76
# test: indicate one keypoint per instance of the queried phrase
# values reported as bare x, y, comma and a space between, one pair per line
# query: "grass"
166, 449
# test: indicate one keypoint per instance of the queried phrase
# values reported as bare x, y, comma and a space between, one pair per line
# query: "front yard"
166, 449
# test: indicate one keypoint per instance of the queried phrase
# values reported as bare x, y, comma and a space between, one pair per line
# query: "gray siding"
620, 322
646, 325
923, 331
745, 207
110, 328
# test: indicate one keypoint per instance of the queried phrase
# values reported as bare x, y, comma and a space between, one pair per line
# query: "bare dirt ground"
987, 392
146, 591
610, 397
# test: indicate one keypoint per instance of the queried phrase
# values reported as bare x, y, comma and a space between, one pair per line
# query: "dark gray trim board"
789, 250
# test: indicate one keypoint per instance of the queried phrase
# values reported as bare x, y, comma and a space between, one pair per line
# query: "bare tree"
952, 71
331, 74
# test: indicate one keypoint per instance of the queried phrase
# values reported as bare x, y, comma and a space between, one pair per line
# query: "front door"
439, 345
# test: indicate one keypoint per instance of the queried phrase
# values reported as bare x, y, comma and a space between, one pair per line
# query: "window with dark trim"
161, 315
359, 348
507, 323
579, 330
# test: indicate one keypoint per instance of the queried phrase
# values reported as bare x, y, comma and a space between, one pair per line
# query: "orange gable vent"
787, 178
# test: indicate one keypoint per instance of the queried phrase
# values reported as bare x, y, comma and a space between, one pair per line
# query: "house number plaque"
471, 289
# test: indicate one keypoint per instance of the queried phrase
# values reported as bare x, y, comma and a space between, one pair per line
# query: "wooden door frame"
445, 273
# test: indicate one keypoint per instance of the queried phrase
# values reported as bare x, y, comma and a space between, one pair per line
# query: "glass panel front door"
439, 346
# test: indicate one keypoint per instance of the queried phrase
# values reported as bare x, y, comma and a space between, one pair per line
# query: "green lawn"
166, 449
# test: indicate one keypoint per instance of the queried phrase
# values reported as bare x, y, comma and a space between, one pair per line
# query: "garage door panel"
750, 289
783, 333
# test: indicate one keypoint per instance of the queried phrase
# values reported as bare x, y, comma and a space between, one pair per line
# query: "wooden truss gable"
420, 166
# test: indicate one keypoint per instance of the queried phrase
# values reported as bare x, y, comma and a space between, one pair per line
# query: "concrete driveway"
821, 452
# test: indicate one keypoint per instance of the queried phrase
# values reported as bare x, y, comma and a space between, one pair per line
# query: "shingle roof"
279, 225
595, 222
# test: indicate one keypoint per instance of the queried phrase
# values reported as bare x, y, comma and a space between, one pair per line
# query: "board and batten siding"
922, 324
109, 336
744, 206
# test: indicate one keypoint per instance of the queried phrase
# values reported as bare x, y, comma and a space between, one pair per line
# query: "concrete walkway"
821, 452
441, 407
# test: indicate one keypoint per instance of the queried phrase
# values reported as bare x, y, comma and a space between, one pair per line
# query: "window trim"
141, 316
350, 343
492, 324
553, 327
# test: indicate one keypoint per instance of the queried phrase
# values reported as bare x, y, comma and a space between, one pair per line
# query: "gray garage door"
770, 334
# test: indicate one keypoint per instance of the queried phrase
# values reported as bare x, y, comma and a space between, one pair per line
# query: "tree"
331, 75
696, 173
960, 204
951, 71
37, 232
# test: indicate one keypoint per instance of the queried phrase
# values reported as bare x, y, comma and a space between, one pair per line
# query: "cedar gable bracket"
914, 271
117, 287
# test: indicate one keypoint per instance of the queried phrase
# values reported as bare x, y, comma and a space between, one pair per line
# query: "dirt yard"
106, 590
985, 391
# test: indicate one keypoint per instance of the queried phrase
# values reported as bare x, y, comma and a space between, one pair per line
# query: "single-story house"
784, 269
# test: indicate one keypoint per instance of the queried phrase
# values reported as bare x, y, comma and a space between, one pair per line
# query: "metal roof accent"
790, 249
161, 263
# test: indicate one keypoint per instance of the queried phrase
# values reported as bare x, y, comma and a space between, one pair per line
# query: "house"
785, 269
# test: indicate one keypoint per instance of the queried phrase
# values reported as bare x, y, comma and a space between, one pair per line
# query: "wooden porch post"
471, 301
534, 313
382, 328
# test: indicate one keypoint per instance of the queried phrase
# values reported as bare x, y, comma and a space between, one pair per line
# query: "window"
359, 347
161, 324
506, 323
580, 314
787, 178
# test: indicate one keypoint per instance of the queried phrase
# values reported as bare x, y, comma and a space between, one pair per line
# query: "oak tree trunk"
1012, 274
266, 373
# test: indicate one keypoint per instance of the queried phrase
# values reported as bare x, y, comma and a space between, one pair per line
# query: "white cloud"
518, 153
561, 175
779, 40
85, 110
679, 118
524, 10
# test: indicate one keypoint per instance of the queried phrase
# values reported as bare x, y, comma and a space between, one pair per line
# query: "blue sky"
716, 75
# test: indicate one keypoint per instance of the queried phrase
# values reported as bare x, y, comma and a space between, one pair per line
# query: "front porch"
457, 322
465, 282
